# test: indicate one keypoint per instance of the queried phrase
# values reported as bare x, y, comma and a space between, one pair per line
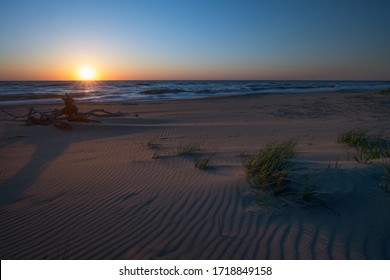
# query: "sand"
119, 190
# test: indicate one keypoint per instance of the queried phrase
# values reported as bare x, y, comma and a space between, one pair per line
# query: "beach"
122, 188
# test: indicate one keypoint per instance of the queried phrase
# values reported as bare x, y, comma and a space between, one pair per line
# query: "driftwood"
60, 118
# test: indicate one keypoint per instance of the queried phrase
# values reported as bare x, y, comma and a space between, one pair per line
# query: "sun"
87, 73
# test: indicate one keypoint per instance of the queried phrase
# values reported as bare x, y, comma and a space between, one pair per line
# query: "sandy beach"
120, 189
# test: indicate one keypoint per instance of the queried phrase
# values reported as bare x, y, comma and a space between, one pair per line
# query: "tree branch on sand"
60, 118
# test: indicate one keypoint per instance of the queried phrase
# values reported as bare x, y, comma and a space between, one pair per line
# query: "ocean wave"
172, 90
161, 91
16, 97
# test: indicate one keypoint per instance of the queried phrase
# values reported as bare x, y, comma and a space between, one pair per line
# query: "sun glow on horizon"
86, 73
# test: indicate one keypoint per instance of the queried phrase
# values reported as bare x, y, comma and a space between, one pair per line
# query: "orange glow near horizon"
86, 73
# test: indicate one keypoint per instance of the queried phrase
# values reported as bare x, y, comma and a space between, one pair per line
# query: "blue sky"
173, 39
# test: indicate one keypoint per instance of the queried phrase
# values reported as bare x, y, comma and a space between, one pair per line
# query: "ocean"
129, 91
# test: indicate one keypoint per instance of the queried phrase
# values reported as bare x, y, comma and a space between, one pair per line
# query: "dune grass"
188, 149
156, 155
354, 138
152, 144
270, 168
201, 163
368, 146
270, 176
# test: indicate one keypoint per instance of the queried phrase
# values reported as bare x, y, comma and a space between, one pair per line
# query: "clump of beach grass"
354, 137
270, 168
202, 163
188, 149
156, 155
368, 146
152, 145
269, 173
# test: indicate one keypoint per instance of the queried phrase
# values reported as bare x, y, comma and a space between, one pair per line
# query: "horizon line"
108, 80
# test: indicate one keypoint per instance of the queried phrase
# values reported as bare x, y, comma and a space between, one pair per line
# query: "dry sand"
96, 192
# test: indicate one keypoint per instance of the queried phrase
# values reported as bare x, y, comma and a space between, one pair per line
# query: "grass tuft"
269, 171
270, 167
152, 145
201, 163
156, 155
368, 146
188, 149
354, 138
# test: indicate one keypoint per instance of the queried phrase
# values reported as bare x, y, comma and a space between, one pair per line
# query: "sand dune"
119, 190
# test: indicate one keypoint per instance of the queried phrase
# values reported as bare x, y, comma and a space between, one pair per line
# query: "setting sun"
87, 73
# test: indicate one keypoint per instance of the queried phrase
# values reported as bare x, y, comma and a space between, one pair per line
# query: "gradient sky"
195, 39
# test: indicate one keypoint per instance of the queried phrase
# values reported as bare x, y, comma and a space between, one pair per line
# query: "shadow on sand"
50, 143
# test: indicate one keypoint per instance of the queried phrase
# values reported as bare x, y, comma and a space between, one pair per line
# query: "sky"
195, 39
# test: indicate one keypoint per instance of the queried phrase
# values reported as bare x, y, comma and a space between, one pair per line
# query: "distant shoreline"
56, 100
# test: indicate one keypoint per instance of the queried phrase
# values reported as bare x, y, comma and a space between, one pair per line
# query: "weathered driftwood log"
57, 118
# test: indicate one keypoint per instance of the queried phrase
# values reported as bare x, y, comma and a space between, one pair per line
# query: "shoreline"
206, 98
119, 189
139, 91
